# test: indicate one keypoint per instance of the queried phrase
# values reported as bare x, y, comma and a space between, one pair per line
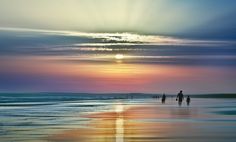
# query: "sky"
110, 46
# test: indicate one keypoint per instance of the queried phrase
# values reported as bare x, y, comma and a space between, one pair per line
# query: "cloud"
102, 47
119, 38
143, 16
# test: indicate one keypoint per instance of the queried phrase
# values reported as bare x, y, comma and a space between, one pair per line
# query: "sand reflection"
119, 123
130, 124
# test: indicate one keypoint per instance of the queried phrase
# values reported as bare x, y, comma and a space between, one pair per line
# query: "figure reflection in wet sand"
180, 98
163, 99
188, 100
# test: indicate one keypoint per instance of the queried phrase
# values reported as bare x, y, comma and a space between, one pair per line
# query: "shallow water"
49, 118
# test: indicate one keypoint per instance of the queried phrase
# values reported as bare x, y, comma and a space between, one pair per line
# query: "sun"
119, 56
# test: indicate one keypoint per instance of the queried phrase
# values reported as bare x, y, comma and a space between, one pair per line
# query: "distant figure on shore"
180, 97
188, 100
155, 97
163, 99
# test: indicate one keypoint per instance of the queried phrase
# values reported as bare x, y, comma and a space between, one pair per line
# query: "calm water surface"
46, 118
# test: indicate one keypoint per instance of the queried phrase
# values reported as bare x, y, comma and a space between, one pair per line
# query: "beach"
72, 118
117, 71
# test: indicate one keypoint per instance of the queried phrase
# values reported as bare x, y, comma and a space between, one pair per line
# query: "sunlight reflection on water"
119, 121
119, 109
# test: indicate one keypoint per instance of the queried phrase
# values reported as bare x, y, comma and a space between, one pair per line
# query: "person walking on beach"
188, 100
180, 97
163, 99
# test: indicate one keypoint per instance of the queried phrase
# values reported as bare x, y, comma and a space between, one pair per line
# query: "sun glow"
119, 56
119, 108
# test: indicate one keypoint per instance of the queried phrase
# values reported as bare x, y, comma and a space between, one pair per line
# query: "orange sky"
114, 77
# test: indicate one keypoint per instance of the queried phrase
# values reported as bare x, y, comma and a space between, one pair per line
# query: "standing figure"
163, 99
180, 97
188, 100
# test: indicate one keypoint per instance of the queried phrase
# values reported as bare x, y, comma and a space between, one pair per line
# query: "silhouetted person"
180, 97
188, 100
163, 99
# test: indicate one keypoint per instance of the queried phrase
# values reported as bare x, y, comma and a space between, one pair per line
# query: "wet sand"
151, 122
72, 118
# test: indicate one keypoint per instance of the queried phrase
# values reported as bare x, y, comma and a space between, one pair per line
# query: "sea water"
62, 117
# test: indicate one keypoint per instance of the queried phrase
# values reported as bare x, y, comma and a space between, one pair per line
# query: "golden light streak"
119, 56
119, 124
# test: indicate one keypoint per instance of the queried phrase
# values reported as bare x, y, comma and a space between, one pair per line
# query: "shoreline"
115, 95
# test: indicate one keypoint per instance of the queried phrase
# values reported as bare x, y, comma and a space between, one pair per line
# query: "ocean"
71, 117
